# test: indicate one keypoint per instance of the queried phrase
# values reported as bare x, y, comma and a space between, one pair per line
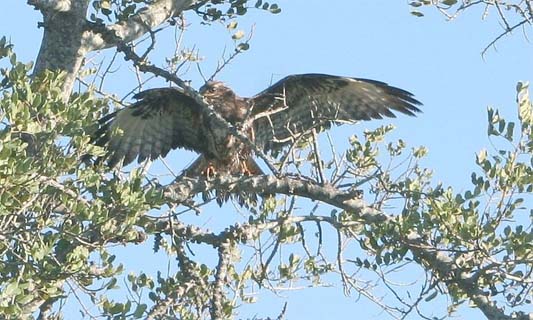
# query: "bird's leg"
245, 170
209, 171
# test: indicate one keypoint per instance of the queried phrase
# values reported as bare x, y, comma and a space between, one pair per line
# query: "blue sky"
439, 61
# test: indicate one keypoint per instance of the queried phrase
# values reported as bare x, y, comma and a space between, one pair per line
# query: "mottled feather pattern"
316, 101
161, 120
166, 118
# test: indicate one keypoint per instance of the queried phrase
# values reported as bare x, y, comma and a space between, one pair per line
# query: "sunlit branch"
153, 15
206, 108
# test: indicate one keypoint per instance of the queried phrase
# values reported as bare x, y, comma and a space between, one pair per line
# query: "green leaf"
116, 308
507, 231
275, 9
432, 296
139, 311
243, 46
10, 290
238, 35
105, 4
525, 108
449, 2
232, 25
112, 284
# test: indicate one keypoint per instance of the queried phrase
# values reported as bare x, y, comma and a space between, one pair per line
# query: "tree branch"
136, 26
208, 110
438, 261
218, 295
183, 189
435, 260
51, 5
68, 36
62, 46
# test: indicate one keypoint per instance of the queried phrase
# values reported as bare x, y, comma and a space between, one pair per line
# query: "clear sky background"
439, 61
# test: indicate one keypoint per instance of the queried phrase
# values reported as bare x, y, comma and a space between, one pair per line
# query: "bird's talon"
245, 170
209, 172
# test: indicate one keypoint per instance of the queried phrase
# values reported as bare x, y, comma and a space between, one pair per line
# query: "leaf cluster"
56, 215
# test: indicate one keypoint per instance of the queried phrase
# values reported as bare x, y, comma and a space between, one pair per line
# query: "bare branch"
206, 108
226, 61
438, 261
520, 13
503, 34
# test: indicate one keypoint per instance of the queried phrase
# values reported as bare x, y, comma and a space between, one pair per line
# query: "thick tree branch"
185, 188
445, 267
62, 47
218, 295
68, 36
208, 110
437, 261
136, 26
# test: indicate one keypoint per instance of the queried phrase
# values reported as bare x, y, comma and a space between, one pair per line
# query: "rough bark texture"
440, 264
137, 25
62, 47
68, 36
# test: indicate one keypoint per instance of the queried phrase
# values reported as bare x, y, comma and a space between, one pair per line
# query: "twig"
206, 108
493, 42
233, 55
318, 160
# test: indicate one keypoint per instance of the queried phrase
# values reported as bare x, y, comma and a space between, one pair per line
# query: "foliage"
60, 218
56, 214
209, 10
356, 219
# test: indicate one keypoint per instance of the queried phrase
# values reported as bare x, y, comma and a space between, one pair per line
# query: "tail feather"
201, 164
200, 168
197, 168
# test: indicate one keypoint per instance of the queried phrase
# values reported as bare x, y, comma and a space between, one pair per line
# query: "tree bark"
62, 47
437, 261
68, 36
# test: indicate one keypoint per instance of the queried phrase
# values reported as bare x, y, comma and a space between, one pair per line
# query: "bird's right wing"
296, 104
160, 120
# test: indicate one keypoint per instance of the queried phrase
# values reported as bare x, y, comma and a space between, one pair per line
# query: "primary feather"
312, 101
166, 118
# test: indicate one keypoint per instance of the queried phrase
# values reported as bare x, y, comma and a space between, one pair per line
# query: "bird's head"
216, 90
224, 100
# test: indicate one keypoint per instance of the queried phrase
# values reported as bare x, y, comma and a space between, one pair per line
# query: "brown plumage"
166, 118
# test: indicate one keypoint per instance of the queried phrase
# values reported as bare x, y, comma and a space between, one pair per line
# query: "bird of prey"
167, 118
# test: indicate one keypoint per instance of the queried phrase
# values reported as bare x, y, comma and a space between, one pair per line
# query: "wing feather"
298, 103
160, 120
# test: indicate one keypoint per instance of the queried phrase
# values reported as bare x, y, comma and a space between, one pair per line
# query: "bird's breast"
222, 144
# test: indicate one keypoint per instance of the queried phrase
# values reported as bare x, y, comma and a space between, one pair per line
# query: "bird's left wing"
160, 120
298, 103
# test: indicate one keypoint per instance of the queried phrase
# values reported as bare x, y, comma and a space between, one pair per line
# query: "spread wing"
298, 103
162, 119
